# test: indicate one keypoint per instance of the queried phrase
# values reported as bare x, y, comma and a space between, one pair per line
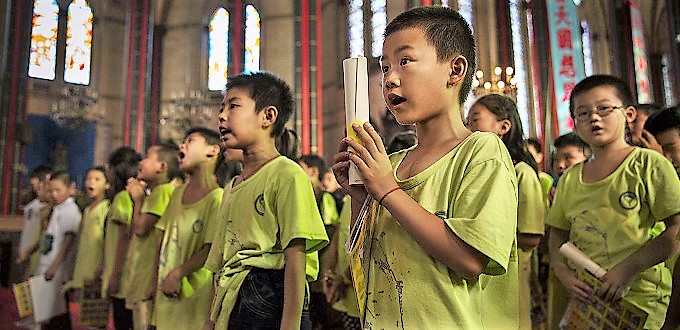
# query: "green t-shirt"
90, 243
257, 220
612, 218
186, 229
118, 218
531, 205
546, 183
142, 250
328, 209
473, 189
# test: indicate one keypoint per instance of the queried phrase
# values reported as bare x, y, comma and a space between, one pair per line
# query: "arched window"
43, 56
587, 48
378, 24
218, 51
78, 43
252, 45
520, 72
356, 28
465, 10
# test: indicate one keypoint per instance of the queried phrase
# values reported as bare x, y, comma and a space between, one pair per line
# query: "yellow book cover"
22, 295
358, 249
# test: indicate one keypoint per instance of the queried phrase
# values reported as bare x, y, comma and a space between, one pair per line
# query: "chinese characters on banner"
567, 57
639, 54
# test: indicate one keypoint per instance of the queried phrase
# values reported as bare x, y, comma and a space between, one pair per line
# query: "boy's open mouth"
224, 132
596, 129
180, 155
395, 99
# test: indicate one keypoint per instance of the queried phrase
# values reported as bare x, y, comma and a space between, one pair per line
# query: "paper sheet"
48, 300
355, 72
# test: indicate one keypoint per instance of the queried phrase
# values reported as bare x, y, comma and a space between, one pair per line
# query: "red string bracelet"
387, 193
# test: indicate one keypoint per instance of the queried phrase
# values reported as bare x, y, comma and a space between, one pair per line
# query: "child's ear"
269, 115
213, 151
163, 167
506, 125
458, 66
631, 113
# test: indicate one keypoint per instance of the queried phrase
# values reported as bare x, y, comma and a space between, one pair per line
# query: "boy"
665, 128
607, 205
30, 234
444, 251
321, 313
638, 136
158, 171
536, 150
570, 149
268, 225
183, 286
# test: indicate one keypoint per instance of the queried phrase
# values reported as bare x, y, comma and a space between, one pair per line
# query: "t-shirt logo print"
197, 227
628, 200
259, 204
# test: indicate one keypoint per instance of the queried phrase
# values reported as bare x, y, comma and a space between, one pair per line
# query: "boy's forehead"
604, 93
569, 149
404, 39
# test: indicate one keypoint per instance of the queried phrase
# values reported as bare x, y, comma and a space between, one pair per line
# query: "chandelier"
184, 111
75, 107
499, 83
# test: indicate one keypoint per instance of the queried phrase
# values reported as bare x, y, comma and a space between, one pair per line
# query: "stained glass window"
218, 50
43, 57
465, 10
356, 28
78, 43
587, 48
252, 54
378, 23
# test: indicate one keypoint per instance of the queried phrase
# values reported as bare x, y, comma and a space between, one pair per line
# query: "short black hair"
572, 139
40, 172
267, 90
664, 120
211, 137
648, 108
167, 152
314, 160
124, 164
401, 140
62, 176
622, 90
288, 144
535, 143
447, 31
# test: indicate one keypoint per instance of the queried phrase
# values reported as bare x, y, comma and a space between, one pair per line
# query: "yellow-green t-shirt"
90, 243
348, 303
473, 190
611, 219
186, 229
118, 218
328, 209
530, 215
531, 205
143, 249
257, 220
546, 183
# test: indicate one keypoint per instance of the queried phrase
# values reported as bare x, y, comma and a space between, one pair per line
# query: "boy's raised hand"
371, 160
136, 189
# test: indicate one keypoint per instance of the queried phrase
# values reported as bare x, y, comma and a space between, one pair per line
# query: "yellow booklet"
22, 294
358, 249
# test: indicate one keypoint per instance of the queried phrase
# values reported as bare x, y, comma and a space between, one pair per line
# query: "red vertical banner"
142, 73
319, 80
132, 27
304, 76
641, 63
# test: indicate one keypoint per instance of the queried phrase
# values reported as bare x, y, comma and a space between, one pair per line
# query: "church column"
13, 101
138, 80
